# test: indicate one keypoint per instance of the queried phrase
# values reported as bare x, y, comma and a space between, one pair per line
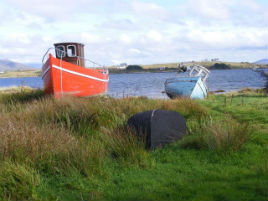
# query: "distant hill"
7, 65
34, 65
262, 61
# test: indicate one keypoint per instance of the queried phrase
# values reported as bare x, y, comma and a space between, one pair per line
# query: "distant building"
215, 59
122, 66
1, 72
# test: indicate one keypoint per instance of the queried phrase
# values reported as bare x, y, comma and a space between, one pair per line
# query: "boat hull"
63, 78
191, 87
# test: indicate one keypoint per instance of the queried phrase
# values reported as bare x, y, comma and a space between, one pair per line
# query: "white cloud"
134, 51
126, 39
149, 9
90, 38
216, 9
226, 39
135, 31
251, 5
154, 35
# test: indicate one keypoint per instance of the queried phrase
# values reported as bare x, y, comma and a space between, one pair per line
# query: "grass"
221, 135
80, 149
21, 73
206, 64
148, 67
18, 182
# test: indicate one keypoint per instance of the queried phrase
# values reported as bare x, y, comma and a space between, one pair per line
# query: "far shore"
153, 68
15, 89
21, 73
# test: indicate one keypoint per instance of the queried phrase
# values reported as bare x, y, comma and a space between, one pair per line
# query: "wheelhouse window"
71, 51
60, 51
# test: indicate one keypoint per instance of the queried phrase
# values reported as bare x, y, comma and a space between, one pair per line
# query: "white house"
122, 66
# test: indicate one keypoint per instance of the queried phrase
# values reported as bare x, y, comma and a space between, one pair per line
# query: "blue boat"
192, 86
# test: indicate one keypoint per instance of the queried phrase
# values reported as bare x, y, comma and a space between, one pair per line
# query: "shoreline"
217, 92
24, 74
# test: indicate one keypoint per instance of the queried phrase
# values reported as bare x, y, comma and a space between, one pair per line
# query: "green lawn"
76, 149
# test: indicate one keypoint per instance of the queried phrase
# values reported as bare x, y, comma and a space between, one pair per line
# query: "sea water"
152, 84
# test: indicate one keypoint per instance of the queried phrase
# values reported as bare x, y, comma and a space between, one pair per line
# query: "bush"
134, 67
220, 66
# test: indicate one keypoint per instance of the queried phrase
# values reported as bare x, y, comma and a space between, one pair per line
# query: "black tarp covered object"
158, 127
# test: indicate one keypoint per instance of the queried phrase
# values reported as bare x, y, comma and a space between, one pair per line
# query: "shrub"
134, 67
220, 66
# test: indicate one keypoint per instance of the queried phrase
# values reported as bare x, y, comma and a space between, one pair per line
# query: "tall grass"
218, 135
56, 134
48, 149
18, 182
20, 95
124, 145
43, 136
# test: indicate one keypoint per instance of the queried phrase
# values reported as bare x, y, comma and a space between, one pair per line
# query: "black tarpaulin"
158, 127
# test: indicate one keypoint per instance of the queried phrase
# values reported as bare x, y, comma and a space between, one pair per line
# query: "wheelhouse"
71, 52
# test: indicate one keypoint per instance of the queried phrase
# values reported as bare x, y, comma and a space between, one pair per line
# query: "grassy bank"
24, 73
77, 149
146, 68
206, 64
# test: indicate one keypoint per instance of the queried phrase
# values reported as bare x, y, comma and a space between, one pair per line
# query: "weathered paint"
78, 59
192, 87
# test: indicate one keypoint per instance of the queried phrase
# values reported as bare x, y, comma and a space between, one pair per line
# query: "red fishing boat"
68, 73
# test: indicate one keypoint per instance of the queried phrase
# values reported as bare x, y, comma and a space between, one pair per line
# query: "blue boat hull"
192, 87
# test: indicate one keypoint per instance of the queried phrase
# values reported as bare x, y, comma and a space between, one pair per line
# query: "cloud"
149, 9
126, 39
136, 31
67, 9
90, 38
212, 9
154, 35
226, 39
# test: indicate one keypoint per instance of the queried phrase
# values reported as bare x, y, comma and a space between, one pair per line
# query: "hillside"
262, 61
7, 65
206, 64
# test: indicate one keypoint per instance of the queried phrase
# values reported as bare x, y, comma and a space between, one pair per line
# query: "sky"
136, 31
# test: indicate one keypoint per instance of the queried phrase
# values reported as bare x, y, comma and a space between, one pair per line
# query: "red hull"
63, 78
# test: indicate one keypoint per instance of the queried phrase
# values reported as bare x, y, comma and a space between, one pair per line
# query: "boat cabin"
201, 71
70, 52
